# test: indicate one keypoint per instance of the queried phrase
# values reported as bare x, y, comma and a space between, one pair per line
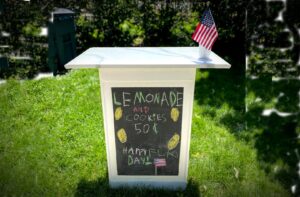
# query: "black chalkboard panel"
147, 125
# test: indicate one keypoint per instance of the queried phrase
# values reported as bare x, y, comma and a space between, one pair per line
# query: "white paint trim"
148, 78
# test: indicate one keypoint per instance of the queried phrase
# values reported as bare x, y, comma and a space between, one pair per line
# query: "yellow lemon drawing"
118, 113
122, 136
173, 142
174, 114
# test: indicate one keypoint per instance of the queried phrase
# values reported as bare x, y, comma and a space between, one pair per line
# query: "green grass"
52, 141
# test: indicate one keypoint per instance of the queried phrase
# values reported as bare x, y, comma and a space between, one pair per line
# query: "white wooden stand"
147, 67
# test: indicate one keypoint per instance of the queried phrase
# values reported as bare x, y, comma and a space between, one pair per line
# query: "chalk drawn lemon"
174, 114
122, 136
173, 142
118, 113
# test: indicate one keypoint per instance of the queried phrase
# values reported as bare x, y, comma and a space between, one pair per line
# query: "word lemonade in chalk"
147, 124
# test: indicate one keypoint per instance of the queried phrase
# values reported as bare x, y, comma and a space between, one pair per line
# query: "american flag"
160, 162
206, 32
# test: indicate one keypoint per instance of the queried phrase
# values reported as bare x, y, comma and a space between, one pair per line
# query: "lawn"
52, 141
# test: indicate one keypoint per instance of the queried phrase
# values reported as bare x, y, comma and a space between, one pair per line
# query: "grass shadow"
100, 187
275, 136
273, 119
215, 88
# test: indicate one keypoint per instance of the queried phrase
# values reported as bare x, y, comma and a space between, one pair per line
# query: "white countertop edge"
78, 66
99, 58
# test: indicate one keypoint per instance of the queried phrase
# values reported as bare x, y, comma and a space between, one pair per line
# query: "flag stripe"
201, 29
212, 34
203, 34
211, 44
212, 39
196, 32
160, 162
205, 37
209, 37
206, 32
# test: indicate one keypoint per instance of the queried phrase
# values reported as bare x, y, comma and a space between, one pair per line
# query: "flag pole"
199, 50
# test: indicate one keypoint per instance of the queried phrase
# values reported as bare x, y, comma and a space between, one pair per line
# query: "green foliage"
134, 31
84, 33
27, 68
31, 29
124, 23
184, 28
272, 44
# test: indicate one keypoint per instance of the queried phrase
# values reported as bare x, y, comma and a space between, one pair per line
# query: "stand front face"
147, 100
147, 118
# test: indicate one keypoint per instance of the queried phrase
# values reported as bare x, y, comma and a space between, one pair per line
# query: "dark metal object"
61, 39
3, 62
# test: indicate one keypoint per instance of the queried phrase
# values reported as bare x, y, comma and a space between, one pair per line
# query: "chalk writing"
150, 152
170, 98
147, 125
148, 118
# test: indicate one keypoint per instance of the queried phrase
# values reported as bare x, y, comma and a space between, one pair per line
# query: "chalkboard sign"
147, 125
